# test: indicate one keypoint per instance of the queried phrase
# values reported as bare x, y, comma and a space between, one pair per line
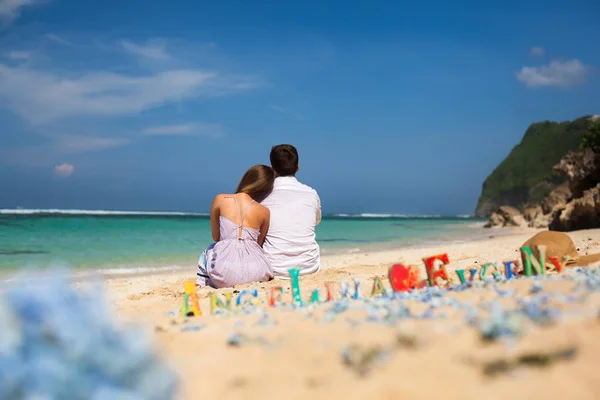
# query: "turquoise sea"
124, 242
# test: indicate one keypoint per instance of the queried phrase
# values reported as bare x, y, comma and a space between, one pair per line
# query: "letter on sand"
190, 295
272, 299
432, 273
511, 271
531, 263
294, 276
216, 302
378, 287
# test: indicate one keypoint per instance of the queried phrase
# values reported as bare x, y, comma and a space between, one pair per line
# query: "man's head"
284, 160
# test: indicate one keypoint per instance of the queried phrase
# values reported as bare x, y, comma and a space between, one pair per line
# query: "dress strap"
240, 227
237, 207
245, 211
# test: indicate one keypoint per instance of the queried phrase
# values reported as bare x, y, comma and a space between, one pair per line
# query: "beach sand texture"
294, 355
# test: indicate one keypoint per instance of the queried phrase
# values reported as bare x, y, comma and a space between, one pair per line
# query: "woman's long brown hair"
257, 182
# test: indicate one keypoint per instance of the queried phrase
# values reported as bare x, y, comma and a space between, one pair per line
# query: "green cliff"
526, 175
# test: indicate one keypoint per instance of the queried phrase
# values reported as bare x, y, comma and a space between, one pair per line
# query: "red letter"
440, 272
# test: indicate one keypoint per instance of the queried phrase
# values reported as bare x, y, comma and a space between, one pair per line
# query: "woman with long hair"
239, 225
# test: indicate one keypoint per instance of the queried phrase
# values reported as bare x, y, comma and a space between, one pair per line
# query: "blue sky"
394, 106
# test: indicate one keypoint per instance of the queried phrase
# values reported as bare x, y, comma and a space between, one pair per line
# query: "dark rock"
485, 208
580, 213
535, 217
506, 216
582, 169
557, 198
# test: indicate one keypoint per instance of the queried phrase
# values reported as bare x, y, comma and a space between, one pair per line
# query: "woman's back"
237, 256
241, 210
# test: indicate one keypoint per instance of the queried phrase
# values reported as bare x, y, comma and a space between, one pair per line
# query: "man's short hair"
284, 159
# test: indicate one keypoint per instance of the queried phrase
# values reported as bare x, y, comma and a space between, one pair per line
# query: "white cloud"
58, 147
73, 144
64, 170
537, 51
155, 49
42, 96
11, 9
192, 128
19, 55
557, 73
57, 39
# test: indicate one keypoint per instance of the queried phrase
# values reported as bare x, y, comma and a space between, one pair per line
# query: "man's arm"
318, 209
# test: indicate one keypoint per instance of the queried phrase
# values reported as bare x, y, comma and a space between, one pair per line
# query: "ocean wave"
139, 270
23, 211
92, 273
375, 215
476, 225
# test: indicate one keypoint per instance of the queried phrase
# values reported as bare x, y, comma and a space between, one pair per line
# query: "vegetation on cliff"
526, 175
591, 140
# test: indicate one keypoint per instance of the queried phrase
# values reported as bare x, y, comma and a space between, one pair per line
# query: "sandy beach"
298, 353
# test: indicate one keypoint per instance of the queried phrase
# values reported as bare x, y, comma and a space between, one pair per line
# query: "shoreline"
182, 262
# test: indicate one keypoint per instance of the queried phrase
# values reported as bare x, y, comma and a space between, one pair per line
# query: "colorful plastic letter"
294, 276
344, 289
473, 272
510, 272
216, 302
557, 264
432, 273
329, 294
403, 278
530, 263
255, 300
378, 287
484, 270
461, 275
272, 299
185, 306
238, 301
314, 298
190, 296
356, 289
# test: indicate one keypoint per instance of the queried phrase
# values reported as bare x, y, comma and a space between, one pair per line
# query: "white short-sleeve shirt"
291, 240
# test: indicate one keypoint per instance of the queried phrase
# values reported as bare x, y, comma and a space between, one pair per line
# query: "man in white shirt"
295, 212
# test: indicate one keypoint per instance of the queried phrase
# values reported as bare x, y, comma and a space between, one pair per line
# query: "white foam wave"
352, 251
91, 212
95, 273
375, 215
476, 225
139, 270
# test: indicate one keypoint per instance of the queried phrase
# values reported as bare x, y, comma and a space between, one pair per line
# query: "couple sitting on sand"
265, 228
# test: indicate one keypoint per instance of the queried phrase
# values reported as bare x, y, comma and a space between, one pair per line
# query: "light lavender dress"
236, 258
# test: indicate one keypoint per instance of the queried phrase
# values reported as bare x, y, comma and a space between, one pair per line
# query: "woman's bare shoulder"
262, 209
221, 198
